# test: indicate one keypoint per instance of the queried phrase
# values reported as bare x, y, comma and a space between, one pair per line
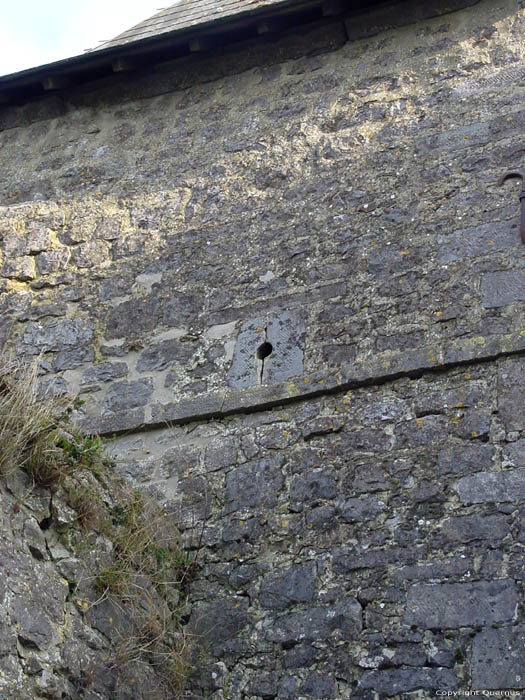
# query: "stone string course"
332, 191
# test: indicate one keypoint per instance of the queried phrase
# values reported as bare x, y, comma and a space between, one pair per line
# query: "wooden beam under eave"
273, 24
123, 64
56, 82
202, 44
332, 8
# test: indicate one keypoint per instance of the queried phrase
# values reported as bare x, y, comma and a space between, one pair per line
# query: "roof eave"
55, 75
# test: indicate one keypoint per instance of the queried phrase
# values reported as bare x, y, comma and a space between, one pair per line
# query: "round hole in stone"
264, 350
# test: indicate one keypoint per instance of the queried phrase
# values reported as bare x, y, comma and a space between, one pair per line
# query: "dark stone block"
312, 485
468, 528
253, 484
319, 685
503, 287
346, 559
220, 454
163, 354
55, 336
219, 621
179, 309
428, 430
498, 658
453, 567
465, 458
318, 623
300, 656
104, 372
70, 359
366, 478
512, 381
403, 680
361, 509
133, 317
479, 241
123, 396
33, 627
453, 605
492, 487
285, 587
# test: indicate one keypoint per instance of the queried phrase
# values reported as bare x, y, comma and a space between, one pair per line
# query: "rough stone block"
56, 335
512, 381
162, 355
285, 332
133, 317
478, 241
492, 487
503, 287
253, 484
465, 457
498, 658
403, 680
285, 587
468, 528
312, 485
361, 509
123, 396
318, 623
428, 430
453, 605
514, 454
104, 372
221, 620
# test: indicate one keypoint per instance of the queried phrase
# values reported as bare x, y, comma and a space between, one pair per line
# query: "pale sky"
34, 32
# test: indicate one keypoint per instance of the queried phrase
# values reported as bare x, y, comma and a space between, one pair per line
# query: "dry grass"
29, 433
148, 574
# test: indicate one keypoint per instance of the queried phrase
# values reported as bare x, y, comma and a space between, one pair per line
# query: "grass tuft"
145, 574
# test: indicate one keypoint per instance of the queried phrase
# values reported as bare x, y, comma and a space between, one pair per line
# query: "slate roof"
186, 14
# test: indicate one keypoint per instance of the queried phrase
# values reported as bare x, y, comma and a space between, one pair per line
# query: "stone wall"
366, 541
333, 192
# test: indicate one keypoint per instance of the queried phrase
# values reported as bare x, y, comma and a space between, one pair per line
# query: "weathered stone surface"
132, 318
512, 379
123, 396
56, 335
33, 627
315, 484
283, 588
286, 333
394, 681
253, 484
318, 623
455, 605
163, 354
492, 487
503, 288
220, 621
475, 242
245, 370
468, 528
361, 509
465, 458
105, 372
498, 657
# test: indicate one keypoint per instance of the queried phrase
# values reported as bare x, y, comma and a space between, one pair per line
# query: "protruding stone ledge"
370, 371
